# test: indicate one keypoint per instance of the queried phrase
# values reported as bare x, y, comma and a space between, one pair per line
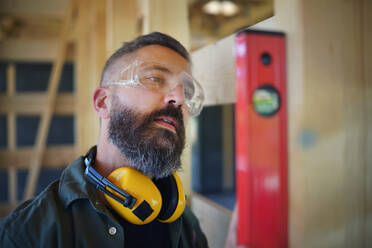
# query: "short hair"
155, 38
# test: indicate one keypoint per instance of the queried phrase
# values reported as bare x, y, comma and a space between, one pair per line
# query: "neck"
108, 157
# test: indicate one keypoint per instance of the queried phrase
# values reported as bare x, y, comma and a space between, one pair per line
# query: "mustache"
171, 111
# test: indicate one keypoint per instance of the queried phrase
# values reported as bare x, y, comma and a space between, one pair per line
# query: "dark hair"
155, 38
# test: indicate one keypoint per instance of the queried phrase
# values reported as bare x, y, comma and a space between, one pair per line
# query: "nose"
175, 96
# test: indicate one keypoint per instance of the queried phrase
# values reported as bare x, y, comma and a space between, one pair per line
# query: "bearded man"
125, 191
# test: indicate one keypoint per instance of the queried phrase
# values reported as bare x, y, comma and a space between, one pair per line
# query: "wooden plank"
53, 157
40, 7
12, 185
367, 78
11, 80
213, 67
12, 172
260, 12
34, 103
157, 17
49, 107
85, 81
32, 27
98, 51
214, 219
334, 163
122, 22
30, 50
83, 112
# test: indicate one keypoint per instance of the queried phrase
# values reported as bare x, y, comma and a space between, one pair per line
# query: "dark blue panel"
207, 152
207, 164
61, 130
226, 199
33, 77
27, 127
3, 66
3, 186
46, 177
3, 132
211, 134
67, 78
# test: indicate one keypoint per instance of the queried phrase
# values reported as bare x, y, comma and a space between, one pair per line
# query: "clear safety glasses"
162, 78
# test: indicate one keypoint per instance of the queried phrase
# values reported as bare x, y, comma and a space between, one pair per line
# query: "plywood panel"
40, 7
367, 78
86, 119
55, 156
33, 103
122, 23
214, 68
158, 17
327, 121
214, 219
12, 137
333, 116
30, 50
329, 105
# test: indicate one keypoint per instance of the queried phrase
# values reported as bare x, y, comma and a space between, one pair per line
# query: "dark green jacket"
68, 213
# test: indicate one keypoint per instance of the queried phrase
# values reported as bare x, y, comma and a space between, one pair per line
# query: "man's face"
153, 150
144, 100
148, 126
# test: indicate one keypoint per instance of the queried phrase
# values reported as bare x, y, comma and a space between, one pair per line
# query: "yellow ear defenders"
135, 197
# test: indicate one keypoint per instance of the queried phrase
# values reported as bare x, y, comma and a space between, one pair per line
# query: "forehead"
156, 53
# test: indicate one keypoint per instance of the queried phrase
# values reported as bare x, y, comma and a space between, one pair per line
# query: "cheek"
140, 99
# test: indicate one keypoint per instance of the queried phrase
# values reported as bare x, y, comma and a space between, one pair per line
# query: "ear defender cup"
173, 198
163, 198
149, 201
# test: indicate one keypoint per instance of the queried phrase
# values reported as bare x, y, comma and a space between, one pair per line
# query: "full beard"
152, 150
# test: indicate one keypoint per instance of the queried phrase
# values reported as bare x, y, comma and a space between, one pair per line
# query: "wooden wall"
329, 88
367, 78
328, 121
99, 28
329, 96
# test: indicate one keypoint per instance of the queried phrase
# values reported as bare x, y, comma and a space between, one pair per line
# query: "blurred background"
52, 54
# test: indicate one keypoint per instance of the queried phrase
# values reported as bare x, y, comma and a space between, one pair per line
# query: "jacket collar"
73, 185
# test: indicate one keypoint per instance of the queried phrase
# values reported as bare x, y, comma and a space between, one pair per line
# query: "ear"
101, 102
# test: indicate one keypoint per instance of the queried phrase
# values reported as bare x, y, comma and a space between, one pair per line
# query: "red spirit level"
261, 139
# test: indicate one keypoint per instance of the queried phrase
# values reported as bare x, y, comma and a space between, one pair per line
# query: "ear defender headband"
134, 196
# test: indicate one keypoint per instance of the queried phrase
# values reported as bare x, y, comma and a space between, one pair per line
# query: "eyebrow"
160, 68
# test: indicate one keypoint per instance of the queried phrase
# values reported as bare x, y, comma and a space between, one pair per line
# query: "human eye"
155, 79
